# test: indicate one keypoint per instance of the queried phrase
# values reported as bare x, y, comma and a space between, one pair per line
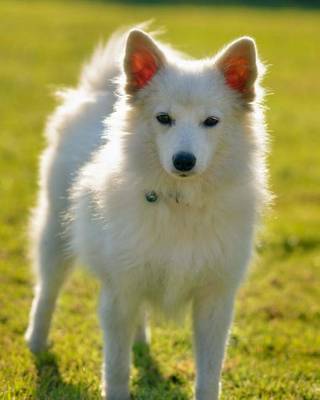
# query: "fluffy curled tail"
105, 64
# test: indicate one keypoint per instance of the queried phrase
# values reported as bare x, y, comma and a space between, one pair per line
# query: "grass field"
274, 350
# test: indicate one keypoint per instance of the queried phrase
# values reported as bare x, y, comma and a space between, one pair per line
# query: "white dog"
155, 178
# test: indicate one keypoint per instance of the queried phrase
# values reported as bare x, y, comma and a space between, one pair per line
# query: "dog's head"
190, 108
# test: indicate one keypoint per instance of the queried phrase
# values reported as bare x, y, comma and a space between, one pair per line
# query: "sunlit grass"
275, 342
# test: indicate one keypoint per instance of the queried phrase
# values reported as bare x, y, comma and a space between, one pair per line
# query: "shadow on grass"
50, 385
150, 383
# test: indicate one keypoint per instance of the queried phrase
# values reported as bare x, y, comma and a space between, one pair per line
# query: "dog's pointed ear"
142, 60
238, 64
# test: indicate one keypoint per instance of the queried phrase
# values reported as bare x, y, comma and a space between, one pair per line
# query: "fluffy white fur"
106, 150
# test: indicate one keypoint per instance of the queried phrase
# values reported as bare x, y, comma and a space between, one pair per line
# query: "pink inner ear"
143, 68
237, 73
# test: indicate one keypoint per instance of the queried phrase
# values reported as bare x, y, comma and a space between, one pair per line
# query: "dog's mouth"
183, 175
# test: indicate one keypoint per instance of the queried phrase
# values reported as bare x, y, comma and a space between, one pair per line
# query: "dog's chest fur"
165, 250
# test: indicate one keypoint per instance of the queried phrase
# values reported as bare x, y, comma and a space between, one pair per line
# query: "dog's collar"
152, 197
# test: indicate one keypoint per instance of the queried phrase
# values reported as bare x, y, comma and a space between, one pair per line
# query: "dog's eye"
210, 122
164, 119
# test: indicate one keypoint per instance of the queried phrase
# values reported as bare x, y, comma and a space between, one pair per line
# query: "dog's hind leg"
142, 334
52, 266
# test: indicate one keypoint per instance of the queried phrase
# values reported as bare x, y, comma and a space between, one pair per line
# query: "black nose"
184, 161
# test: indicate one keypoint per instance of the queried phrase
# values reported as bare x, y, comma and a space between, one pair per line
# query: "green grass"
274, 347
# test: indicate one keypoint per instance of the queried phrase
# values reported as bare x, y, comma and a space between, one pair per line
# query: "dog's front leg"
212, 315
118, 318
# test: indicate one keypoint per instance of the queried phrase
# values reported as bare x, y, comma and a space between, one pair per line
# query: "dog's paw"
115, 396
142, 337
120, 393
35, 344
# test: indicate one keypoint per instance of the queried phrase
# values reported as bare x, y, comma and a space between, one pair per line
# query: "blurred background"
274, 350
